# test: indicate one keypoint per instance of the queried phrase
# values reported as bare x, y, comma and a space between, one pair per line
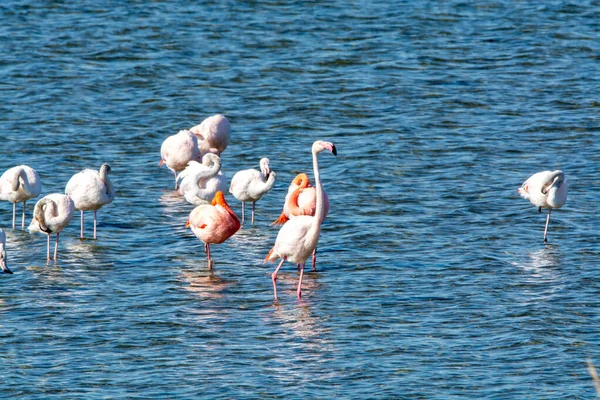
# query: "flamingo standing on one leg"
298, 237
51, 215
213, 223
19, 184
302, 203
213, 133
178, 150
3, 253
251, 185
90, 190
547, 189
200, 182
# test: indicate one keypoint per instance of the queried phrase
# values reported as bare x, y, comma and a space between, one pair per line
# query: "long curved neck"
107, 182
320, 211
20, 174
44, 212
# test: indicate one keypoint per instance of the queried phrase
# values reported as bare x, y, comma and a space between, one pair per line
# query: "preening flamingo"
213, 133
17, 185
301, 199
546, 189
90, 190
3, 253
178, 150
51, 215
200, 182
213, 223
251, 185
298, 237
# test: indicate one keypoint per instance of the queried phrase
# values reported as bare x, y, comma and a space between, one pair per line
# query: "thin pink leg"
242, 213
14, 214
274, 278
176, 184
94, 224
314, 260
56, 246
206, 248
299, 291
546, 229
23, 220
48, 247
81, 230
210, 261
253, 203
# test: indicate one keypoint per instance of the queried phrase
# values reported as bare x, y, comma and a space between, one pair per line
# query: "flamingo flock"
194, 156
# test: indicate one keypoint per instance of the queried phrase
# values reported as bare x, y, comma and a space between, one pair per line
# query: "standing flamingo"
51, 215
546, 189
19, 184
90, 190
298, 237
251, 185
213, 223
213, 133
178, 150
3, 253
301, 199
200, 182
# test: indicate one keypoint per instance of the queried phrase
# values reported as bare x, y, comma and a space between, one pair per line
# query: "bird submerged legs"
23, 218
210, 261
546, 229
299, 291
95, 224
274, 278
14, 214
81, 230
253, 203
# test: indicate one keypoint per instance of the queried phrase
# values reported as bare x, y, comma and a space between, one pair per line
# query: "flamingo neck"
20, 174
223, 203
320, 204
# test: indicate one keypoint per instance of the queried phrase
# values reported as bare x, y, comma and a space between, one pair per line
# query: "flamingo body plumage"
213, 133
199, 182
17, 185
546, 189
251, 184
90, 190
51, 214
178, 150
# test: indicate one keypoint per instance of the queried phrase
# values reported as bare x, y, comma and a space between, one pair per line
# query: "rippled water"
433, 279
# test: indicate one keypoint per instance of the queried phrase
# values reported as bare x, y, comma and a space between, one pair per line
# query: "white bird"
213, 133
298, 237
17, 185
51, 215
90, 190
547, 189
200, 182
3, 253
251, 184
178, 150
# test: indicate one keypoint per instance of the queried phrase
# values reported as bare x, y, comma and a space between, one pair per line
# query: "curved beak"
333, 149
4, 267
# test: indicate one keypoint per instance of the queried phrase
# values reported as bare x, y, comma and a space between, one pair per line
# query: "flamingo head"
106, 169
210, 158
556, 180
219, 199
320, 145
264, 167
3, 261
301, 180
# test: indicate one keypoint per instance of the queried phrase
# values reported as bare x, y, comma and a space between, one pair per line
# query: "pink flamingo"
51, 215
304, 202
178, 150
213, 223
251, 184
298, 237
19, 184
547, 189
213, 133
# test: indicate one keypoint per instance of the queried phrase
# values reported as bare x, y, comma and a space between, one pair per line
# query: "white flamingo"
51, 215
178, 150
90, 190
251, 184
213, 133
3, 253
17, 185
299, 236
546, 189
200, 182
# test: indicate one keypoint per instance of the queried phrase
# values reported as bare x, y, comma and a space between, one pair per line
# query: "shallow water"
433, 280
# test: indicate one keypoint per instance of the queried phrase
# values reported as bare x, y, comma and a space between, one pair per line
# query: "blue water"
433, 280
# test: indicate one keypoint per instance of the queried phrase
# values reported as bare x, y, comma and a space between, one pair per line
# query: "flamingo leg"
94, 224
55, 246
48, 248
299, 291
242, 213
314, 260
81, 230
176, 184
546, 228
210, 261
23, 219
274, 278
206, 248
253, 203
14, 213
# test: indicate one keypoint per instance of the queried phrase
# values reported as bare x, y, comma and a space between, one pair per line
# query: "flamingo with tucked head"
178, 150
213, 223
17, 185
546, 189
251, 185
51, 215
200, 182
213, 134
298, 237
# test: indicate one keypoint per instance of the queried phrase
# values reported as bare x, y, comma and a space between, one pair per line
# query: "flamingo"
298, 237
3, 253
302, 203
90, 190
51, 215
547, 189
251, 184
178, 150
200, 182
213, 133
213, 223
17, 185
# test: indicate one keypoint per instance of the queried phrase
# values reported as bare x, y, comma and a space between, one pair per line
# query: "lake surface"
433, 280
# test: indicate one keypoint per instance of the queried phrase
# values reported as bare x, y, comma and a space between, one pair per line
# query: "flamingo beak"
3, 264
333, 149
